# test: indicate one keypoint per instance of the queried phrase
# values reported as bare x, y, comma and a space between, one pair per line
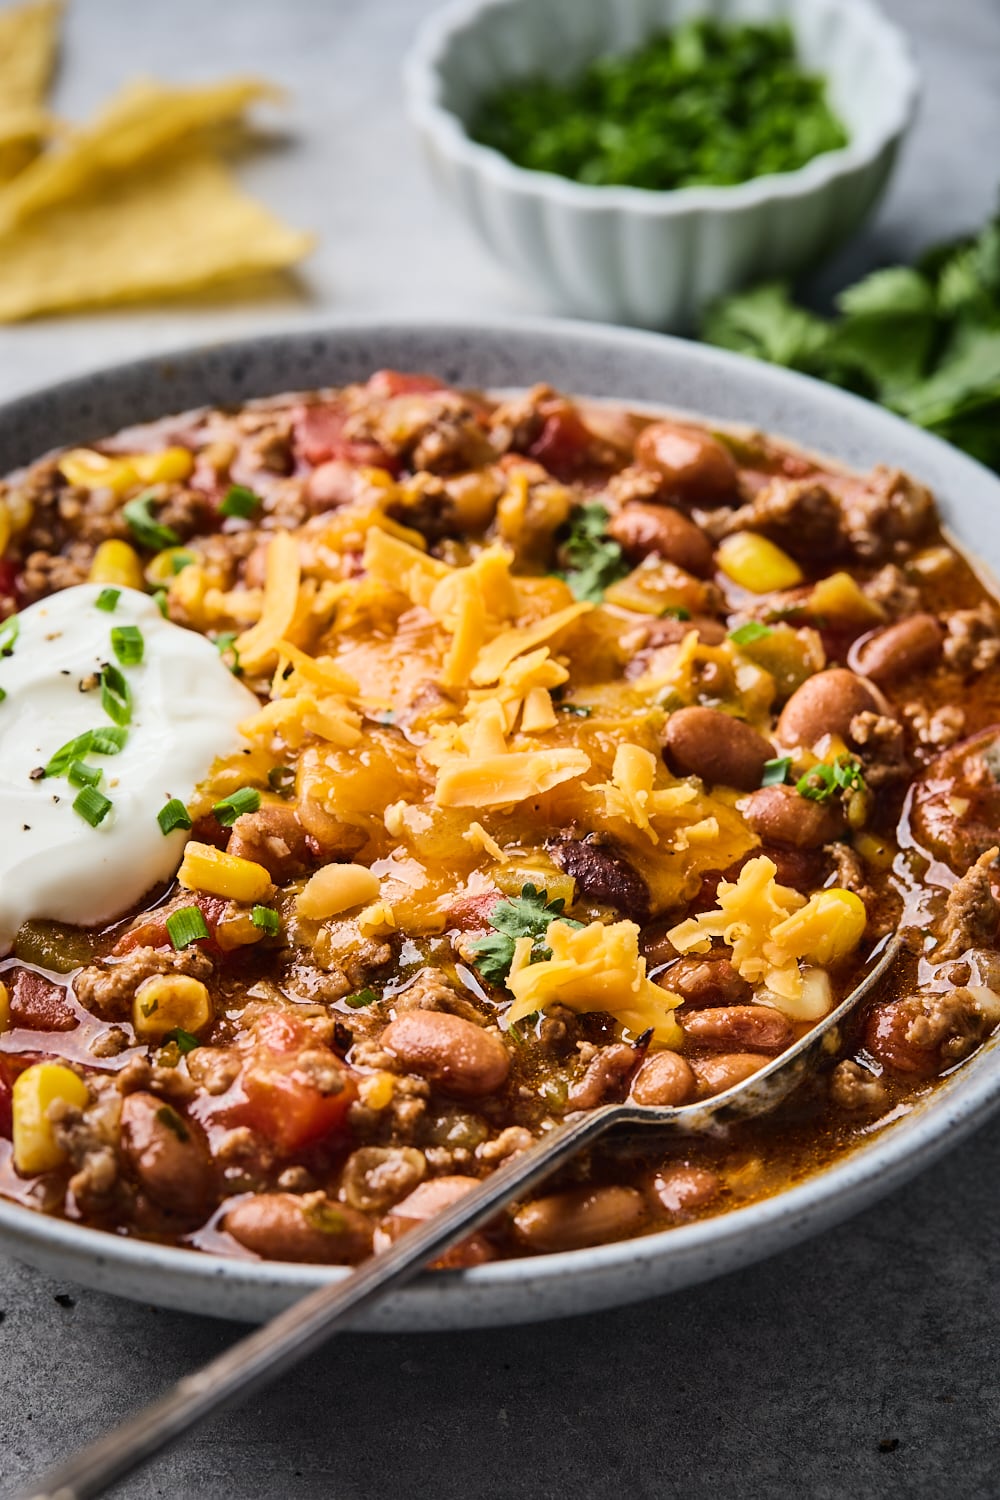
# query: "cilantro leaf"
765, 323
527, 915
825, 780
593, 559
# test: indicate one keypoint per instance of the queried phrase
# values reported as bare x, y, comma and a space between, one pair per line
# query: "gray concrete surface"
859, 1365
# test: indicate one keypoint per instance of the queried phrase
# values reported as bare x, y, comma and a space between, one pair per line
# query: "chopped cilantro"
186, 1041
825, 780
240, 501
704, 103
527, 915
361, 999
593, 559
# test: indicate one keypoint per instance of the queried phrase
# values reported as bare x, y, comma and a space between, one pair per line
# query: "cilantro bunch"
593, 560
923, 340
527, 915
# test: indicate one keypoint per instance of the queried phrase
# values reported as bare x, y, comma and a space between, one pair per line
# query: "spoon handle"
254, 1361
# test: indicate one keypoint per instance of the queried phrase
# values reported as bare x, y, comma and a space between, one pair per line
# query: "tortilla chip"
22, 132
29, 35
144, 119
178, 227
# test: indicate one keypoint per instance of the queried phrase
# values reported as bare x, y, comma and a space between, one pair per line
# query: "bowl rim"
423, 87
891, 1154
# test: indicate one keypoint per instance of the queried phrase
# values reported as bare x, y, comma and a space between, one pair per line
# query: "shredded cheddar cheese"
593, 968
281, 597
770, 927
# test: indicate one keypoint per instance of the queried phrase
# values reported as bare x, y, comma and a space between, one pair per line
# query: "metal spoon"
263, 1355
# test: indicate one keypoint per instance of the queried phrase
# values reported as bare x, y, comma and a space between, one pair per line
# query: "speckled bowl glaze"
589, 361
631, 255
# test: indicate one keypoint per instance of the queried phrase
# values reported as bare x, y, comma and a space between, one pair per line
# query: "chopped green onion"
116, 695
160, 600
186, 1041
3, 694
127, 644
107, 600
144, 527
281, 779
9, 632
776, 771
246, 800
239, 501
361, 999
181, 560
675, 612
173, 815
227, 642
186, 926
108, 741
105, 741
92, 805
80, 774
746, 634
266, 919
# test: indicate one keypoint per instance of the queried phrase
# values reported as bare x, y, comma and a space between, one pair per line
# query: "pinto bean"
664, 1078
756, 1027
682, 1189
825, 704
426, 1200
778, 815
900, 650
716, 1074
605, 1074
647, 530
720, 749
693, 463
705, 982
455, 1055
304, 1227
168, 1155
579, 1217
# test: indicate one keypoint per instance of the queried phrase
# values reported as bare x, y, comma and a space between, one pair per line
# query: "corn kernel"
116, 562
164, 567
377, 920
161, 468
35, 1091
376, 1090
334, 889
5, 1021
89, 470
168, 1002
207, 869
237, 931
827, 928
755, 563
840, 597
6, 527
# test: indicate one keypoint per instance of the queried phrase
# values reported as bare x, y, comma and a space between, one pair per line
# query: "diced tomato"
564, 442
389, 383
38, 1004
472, 913
152, 933
319, 437
8, 578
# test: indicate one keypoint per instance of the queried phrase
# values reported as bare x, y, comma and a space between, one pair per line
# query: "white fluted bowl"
632, 255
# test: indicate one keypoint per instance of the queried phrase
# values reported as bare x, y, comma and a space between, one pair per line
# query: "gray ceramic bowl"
589, 361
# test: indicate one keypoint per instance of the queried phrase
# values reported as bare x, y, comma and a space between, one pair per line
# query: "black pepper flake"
65, 672
343, 1038
38, 774
25, 827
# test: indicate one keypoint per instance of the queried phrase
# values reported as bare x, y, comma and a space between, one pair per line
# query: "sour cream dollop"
186, 706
